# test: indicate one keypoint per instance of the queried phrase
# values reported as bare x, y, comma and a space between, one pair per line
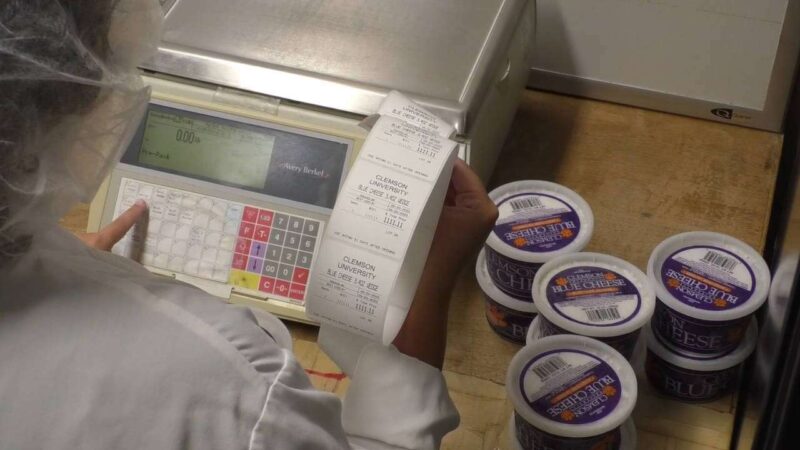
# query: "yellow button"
244, 279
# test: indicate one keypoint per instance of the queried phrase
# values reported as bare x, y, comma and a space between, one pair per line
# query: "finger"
116, 230
465, 180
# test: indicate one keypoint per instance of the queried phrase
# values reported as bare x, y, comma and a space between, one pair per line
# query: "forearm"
424, 333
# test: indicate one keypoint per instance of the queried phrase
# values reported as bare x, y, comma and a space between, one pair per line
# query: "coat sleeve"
396, 402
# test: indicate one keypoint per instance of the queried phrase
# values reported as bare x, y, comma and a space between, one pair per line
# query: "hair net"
70, 101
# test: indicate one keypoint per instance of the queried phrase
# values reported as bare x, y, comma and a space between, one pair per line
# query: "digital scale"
253, 125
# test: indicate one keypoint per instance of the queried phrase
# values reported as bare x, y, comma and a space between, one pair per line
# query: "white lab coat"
97, 353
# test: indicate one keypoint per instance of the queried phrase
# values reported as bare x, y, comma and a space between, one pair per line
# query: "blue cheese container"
508, 317
708, 286
628, 436
537, 221
594, 295
696, 377
570, 392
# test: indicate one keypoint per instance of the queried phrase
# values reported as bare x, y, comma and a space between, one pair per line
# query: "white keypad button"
212, 239
231, 227
175, 263
179, 248
183, 232
216, 225
209, 254
224, 258
161, 260
206, 269
154, 226
164, 245
205, 203
227, 242
195, 251
157, 210
187, 217
168, 229
146, 192
192, 267
201, 220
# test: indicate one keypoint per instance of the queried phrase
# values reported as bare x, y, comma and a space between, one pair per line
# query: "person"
97, 353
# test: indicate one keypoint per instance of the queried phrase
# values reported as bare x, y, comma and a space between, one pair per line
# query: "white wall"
716, 50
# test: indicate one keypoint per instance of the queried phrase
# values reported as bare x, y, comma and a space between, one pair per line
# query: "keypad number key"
293, 240
280, 221
307, 243
304, 260
296, 224
285, 272
311, 228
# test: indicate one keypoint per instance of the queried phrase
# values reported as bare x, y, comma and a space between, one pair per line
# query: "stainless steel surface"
770, 118
344, 54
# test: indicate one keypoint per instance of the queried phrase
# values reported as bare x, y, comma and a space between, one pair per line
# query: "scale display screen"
283, 163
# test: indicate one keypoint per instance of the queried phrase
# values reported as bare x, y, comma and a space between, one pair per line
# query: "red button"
261, 233
267, 285
243, 245
246, 229
239, 261
265, 218
300, 275
250, 214
297, 291
282, 288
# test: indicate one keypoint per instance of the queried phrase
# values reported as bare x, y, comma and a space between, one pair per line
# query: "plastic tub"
537, 221
570, 391
594, 295
696, 378
534, 332
708, 285
628, 437
508, 317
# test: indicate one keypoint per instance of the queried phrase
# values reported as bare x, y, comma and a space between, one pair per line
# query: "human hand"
467, 218
116, 230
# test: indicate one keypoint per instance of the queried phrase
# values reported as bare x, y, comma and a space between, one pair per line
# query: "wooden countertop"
647, 176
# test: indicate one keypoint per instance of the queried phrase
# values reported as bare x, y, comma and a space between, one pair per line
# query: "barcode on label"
602, 315
720, 260
524, 203
549, 366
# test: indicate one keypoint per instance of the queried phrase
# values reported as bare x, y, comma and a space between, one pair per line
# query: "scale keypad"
249, 247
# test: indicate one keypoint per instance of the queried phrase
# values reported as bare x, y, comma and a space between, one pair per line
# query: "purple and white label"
537, 223
703, 337
531, 438
510, 276
689, 385
708, 278
570, 386
594, 296
506, 322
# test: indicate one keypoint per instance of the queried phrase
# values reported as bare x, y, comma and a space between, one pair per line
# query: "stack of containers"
594, 295
708, 285
571, 392
537, 222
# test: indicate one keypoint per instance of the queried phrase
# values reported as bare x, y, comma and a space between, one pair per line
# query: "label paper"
377, 240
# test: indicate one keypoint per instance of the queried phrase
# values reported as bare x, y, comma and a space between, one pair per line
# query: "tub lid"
490, 289
709, 276
539, 220
628, 435
705, 363
571, 386
592, 294
534, 332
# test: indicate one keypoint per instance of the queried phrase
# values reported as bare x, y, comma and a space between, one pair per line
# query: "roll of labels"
379, 234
